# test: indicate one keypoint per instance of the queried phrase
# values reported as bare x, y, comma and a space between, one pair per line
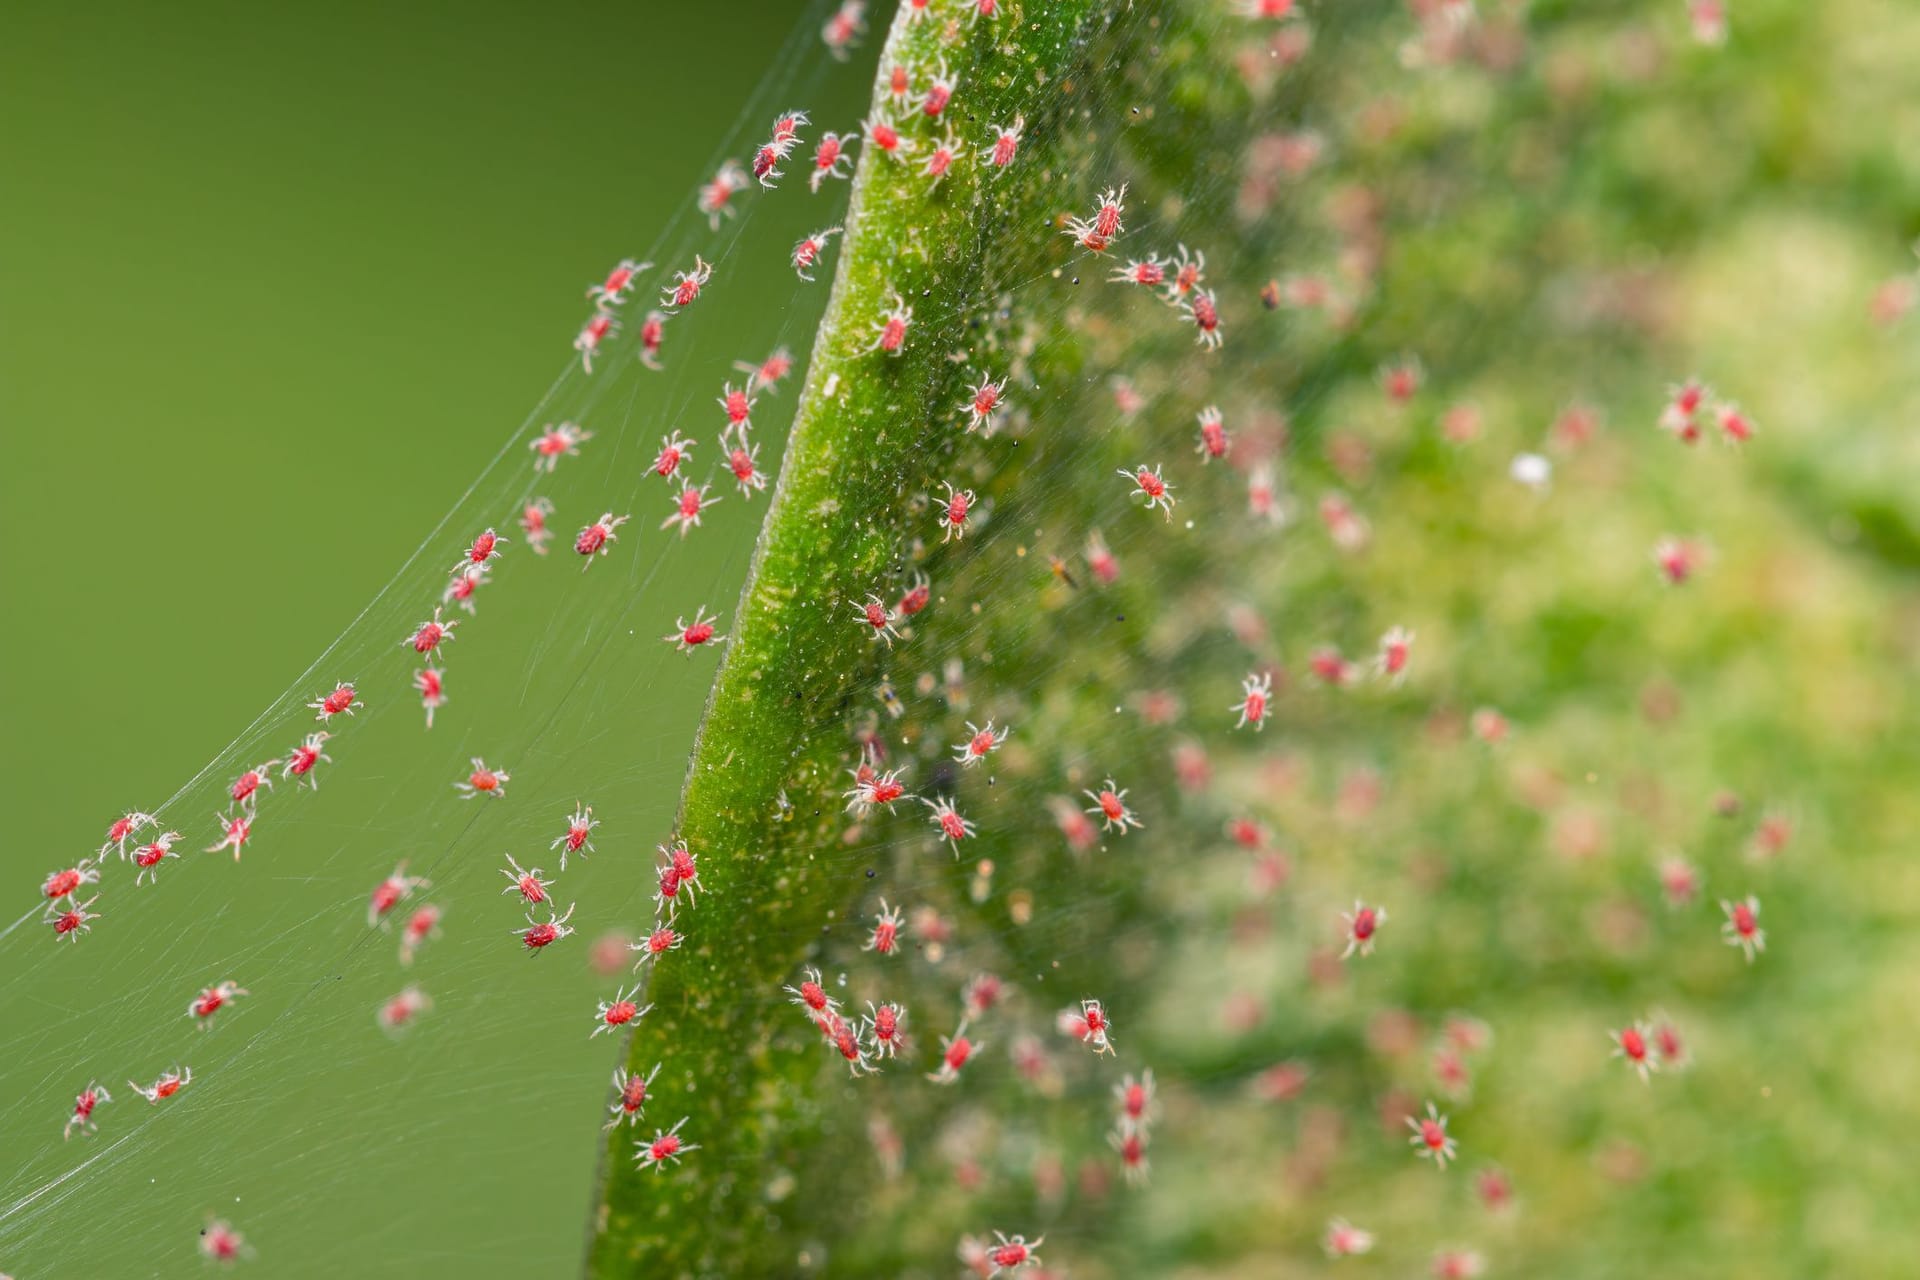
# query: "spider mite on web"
124, 829
235, 830
1110, 806
980, 743
528, 884
398, 1013
598, 328
431, 634
169, 1083
61, 884
613, 291
1256, 693
688, 636
737, 403
687, 285
541, 934
675, 452
577, 839
594, 540
890, 330
955, 1050
953, 827
885, 937
1148, 483
656, 944
304, 757
1097, 234
619, 1011
716, 196
148, 857
1006, 143
341, 701
422, 926
988, 398
807, 252
842, 30
1362, 927
391, 892
483, 781
688, 507
557, 442
830, 158
680, 869
432, 691
83, 1107
211, 1000
1088, 1024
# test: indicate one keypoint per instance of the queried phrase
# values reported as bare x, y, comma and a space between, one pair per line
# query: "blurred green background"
279, 283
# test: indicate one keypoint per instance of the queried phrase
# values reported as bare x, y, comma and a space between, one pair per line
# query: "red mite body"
432, 691
687, 285
631, 1090
596, 331
541, 934
653, 330
340, 701
557, 442
808, 251
1006, 143
61, 884
83, 1106
1363, 925
391, 892
431, 634
148, 857
1204, 311
484, 781
211, 1000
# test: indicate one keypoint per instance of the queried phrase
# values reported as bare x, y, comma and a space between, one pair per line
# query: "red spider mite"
398, 1013
465, 582
980, 743
222, 1243
83, 1106
302, 759
148, 857
716, 196
61, 884
594, 539
657, 943
1214, 442
1006, 143
619, 1011
533, 523
1430, 1137
342, 699
1088, 1024
1396, 650
557, 442
483, 781
392, 891
939, 93
940, 157
982, 992
1678, 559
891, 328
1681, 414
1150, 271
430, 683
811, 995
987, 399
987, 9
653, 331
955, 1050
1256, 691
486, 547
899, 75
880, 790
1013, 1252
681, 870
886, 1027
1189, 268
830, 158
686, 637
431, 634
211, 1000
598, 328
844, 27
743, 461
1632, 1044
1263, 498
881, 132
528, 884
169, 1083
807, 252
1362, 927
245, 787
235, 831
422, 925
769, 373
688, 508
124, 829
630, 1090
1742, 928
954, 511
686, 285
1148, 484
1101, 561
675, 451
1136, 1099
540, 934
666, 1147
1131, 1144
885, 937
72, 920
1097, 234
917, 596
953, 827
578, 837
613, 290
1203, 309
1402, 380
737, 403
1263, 8
1110, 806
1329, 667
